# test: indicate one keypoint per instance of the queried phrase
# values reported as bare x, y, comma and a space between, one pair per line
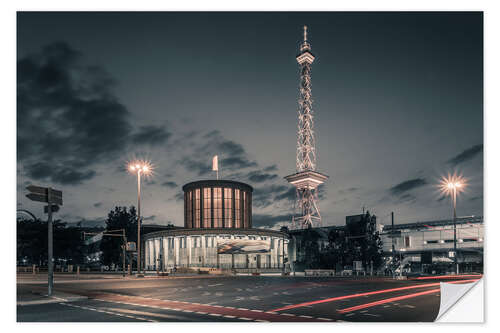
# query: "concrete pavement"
239, 298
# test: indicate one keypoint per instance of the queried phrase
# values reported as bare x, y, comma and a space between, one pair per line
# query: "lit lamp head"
452, 183
143, 167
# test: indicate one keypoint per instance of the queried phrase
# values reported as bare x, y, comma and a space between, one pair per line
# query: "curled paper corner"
457, 306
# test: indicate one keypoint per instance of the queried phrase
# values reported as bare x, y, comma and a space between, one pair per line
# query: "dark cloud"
466, 155
266, 195
179, 196
259, 176
58, 173
170, 184
476, 198
406, 198
290, 195
271, 168
270, 221
151, 135
348, 190
236, 162
68, 118
232, 156
201, 168
98, 204
407, 186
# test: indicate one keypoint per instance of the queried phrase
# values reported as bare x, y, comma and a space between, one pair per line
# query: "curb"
52, 299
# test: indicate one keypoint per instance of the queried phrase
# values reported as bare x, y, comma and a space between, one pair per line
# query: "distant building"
217, 232
427, 246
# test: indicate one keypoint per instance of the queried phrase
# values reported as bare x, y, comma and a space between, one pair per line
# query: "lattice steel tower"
306, 180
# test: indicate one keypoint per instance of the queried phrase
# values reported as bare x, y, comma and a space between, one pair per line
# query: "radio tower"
306, 179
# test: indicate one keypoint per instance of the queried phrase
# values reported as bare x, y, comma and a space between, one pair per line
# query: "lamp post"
452, 185
139, 167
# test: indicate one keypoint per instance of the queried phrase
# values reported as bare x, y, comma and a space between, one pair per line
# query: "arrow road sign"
37, 189
42, 194
37, 197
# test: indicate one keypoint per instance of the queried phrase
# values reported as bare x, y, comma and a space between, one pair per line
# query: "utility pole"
392, 237
53, 198
51, 247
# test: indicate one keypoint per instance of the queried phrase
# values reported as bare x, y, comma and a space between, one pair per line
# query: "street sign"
37, 197
55, 208
131, 246
42, 194
37, 189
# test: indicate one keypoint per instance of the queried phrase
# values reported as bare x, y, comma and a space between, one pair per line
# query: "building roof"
215, 231
217, 183
436, 223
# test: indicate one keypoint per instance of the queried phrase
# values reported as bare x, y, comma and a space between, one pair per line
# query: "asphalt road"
235, 298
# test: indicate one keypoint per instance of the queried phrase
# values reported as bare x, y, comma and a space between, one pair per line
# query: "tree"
32, 242
119, 218
364, 243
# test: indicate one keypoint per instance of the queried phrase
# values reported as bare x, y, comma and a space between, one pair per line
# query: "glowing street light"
145, 168
453, 185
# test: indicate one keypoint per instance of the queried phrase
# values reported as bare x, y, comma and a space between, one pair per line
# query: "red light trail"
383, 291
397, 298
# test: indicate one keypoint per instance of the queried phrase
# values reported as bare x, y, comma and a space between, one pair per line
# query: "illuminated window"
237, 211
228, 207
197, 208
207, 214
245, 210
217, 207
189, 209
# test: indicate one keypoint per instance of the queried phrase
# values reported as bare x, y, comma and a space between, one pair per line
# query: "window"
228, 207
209, 241
207, 205
407, 241
237, 211
189, 209
182, 242
272, 243
431, 242
170, 243
197, 208
470, 240
245, 210
217, 207
196, 242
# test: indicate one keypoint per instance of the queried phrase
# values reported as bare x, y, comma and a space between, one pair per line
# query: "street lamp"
453, 185
139, 167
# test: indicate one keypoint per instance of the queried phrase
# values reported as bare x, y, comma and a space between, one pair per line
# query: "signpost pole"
124, 251
50, 251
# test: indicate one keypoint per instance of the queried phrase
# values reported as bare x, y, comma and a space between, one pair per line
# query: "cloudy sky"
398, 102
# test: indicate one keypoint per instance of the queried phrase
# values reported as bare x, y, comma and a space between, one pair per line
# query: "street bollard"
77, 270
129, 269
34, 269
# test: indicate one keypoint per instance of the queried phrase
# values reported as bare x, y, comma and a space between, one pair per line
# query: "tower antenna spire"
306, 179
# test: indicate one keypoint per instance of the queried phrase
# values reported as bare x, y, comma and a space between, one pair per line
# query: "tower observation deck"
306, 180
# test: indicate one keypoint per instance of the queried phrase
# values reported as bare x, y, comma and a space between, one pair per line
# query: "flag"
215, 164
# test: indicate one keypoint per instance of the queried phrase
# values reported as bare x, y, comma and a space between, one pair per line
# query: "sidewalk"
31, 297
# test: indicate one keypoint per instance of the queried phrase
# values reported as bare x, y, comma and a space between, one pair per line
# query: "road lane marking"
376, 292
107, 312
387, 300
216, 311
